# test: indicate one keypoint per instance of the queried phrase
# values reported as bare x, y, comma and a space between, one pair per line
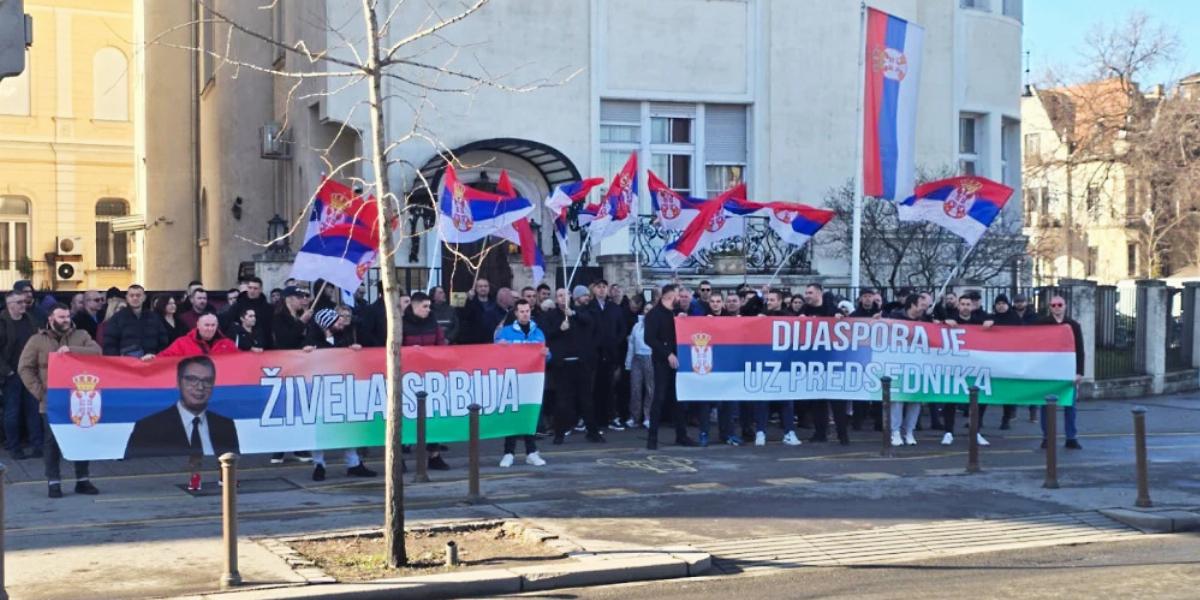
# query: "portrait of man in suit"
187, 427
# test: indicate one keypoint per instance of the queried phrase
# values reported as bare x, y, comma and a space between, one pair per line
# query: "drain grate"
910, 542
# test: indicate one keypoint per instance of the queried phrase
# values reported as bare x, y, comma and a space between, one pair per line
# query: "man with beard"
966, 315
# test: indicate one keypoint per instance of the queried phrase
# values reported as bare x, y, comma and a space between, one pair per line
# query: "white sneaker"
630, 424
507, 461
909, 440
896, 439
981, 440
947, 439
646, 424
580, 426
790, 439
535, 459
760, 439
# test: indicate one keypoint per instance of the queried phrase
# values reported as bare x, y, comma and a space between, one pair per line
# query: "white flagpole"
958, 266
856, 226
775, 275
579, 257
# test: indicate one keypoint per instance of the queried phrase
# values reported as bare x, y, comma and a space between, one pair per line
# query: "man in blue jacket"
522, 331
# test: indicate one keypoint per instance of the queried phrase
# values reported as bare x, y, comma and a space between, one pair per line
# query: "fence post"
1081, 296
885, 408
473, 495
1151, 347
3, 589
1143, 475
1050, 422
422, 455
973, 440
230, 577
1191, 324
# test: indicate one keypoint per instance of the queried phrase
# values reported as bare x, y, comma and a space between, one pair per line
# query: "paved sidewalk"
144, 536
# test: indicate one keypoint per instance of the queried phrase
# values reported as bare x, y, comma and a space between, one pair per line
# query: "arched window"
110, 85
112, 249
14, 230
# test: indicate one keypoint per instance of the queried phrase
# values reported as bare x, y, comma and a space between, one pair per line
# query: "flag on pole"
675, 211
793, 222
964, 205
521, 234
893, 72
341, 239
560, 201
468, 214
614, 210
711, 224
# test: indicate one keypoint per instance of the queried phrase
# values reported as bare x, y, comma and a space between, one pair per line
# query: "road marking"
607, 492
656, 463
869, 476
697, 487
783, 481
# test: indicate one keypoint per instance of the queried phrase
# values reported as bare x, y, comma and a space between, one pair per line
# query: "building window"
14, 93
1093, 260
1131, 258
1093, 198
1014, 9
14, 230
725, 147
1032, 149
110, 85
112, 248
1131, 199
672, 144
1010, 137
976, 4
968, 144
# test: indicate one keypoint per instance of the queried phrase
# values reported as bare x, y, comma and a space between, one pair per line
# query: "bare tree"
418, 66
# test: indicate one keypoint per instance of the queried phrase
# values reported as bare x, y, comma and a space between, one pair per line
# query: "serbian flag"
341, 239
793, 222
521, 234
964, 205
674, 211
711, 224
893, 72
468, 215
616, 207
561, 200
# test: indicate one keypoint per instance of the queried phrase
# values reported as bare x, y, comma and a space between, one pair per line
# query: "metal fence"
1116, 331
759, 248
1177, 359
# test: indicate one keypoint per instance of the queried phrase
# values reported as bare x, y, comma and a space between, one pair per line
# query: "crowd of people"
610, 357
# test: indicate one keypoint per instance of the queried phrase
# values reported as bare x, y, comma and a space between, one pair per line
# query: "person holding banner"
660, 336
331, 328
815, 305
1058, 316
966, 315
904, 415
569, 332
59, 336
716, 308
522, 331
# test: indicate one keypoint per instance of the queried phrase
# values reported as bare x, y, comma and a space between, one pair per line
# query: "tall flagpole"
961, 262
856, 227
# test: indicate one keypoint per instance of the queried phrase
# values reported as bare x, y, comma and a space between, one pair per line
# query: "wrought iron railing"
762, 248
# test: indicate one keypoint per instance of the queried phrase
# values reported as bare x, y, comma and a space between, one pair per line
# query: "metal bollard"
973, 441
451, 554
1143, 469
3, 589
422, 475
473, 495
1051, 439
885, 448
230, 577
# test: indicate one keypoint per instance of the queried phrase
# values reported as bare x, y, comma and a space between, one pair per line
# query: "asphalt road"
1163, 567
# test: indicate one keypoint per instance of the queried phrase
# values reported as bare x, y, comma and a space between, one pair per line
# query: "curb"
1155, 521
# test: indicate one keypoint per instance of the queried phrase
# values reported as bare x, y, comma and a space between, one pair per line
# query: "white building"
708, 92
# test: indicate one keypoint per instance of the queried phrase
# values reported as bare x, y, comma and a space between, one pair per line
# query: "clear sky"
1055, 31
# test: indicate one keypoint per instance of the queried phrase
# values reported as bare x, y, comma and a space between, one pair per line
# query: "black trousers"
573, 395
861, 410
603, 396
510, 444
820, 409
53, 457
664, 386
948, 412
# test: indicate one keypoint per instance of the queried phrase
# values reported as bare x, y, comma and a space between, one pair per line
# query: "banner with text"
103, 407
799, 358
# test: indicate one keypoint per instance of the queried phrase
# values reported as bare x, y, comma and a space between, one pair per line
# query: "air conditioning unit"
274, 146
68, 260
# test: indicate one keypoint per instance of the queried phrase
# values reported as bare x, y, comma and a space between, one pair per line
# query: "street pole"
422, 475
973, 441
473, 495
1143, 474
885, 448
856, 223
230, 577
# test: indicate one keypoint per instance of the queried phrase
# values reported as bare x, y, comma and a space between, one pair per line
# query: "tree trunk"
393, 497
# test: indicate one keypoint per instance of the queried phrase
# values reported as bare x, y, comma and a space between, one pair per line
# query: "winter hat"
579, 291
846, 306
1001, 298
325, 318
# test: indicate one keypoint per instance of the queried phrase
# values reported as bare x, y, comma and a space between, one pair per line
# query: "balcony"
763, 249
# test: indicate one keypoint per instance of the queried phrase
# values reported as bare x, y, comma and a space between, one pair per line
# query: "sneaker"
319, 473
86, 487
733, 440
703, 439
596, 438
947, 439
56, 490
646, 424
630, 424
790, 439
506, 461
437, 464
896, 439
194, 483
616, 425
580, 426
909, 440
303, 456
982, 441
535, 459
360, 470
1073, 444
760, 439
277, 458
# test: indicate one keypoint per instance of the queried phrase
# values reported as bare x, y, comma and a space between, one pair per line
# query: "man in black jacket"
89, 317
1058, 316
254, 298
570, 335
20, 406
966, 315
480, 316
660, 336
187, 427
608, 321
816, 305
134, 331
